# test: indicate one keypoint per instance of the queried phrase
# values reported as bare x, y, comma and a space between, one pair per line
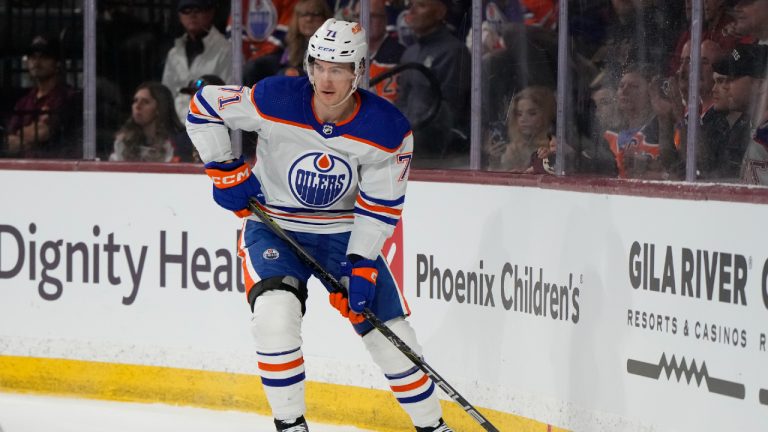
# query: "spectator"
42, 122
308, 16
745, 68
710, 53
642, 136
606, 110
262, 54
449, 60
674, 101
530, 117
725, 134
153, 132
528, 58
384, 48
596, 156
201, 50
751, 17
632, 37
716, 25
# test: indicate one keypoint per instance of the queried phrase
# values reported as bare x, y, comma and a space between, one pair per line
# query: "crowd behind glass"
628, 69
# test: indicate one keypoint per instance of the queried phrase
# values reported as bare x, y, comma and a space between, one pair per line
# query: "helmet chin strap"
351, 92
345, 99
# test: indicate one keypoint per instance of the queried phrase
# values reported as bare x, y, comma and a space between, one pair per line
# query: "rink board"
586, 311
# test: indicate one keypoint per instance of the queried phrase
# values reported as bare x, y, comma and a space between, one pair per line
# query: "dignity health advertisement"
587, 311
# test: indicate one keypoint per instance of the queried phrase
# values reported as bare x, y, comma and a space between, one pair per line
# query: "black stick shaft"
323, 274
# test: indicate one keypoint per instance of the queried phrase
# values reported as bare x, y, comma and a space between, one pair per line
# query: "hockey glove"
362, 284
233, 185
340, 302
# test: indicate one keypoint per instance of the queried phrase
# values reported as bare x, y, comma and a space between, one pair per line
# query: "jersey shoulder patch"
380, 122
280, 98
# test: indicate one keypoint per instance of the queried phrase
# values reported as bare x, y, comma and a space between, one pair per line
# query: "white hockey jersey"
316, 177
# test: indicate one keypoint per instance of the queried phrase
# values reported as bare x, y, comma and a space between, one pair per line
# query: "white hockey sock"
276, 327
282, 375
416, 394
412, 387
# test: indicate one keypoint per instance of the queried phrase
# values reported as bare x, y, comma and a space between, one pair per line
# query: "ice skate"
439, 427
296, 425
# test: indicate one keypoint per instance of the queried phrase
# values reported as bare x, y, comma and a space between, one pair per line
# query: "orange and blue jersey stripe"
387, 211
309, 216
198, 116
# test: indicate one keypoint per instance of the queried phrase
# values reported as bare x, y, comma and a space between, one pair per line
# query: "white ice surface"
32, 413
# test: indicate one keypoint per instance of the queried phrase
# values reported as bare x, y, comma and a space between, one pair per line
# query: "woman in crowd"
153, 132
308, 16
530, 117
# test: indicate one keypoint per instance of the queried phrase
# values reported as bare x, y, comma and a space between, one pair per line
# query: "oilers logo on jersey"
318, 179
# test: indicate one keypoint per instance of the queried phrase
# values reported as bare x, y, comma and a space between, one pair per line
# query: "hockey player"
332, 167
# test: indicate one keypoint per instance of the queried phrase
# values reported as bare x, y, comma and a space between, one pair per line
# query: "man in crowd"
449, 60
745, 68
724, 132
751, 19
201, 50
384, 48
38, 127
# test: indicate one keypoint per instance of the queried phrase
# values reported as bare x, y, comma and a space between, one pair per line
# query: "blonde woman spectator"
530, 117
153, 132
308, 16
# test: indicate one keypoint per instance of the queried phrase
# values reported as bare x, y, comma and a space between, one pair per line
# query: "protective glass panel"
434, 87
145, 80
41, 80
621, 122
519, 41
629, 110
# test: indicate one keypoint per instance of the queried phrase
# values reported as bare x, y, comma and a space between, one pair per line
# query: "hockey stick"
323, 274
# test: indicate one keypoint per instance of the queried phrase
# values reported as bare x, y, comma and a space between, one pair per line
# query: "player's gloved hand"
233, 185
340, 302
362, 284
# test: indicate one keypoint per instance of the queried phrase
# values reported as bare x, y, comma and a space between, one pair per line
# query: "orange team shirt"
540, 13
636, 143
388, 87
386, 59
253, 49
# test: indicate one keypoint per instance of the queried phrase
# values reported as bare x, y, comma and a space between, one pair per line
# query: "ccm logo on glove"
233, 185
227, 179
